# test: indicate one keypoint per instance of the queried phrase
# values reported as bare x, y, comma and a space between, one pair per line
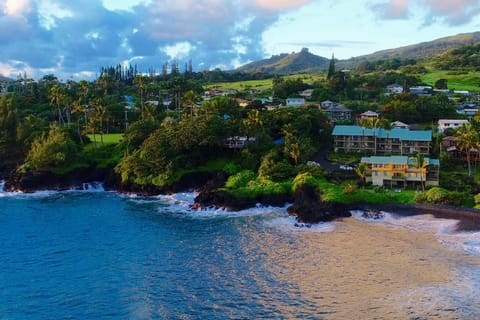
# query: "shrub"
350, 188
52, 150
240, 179
302, 179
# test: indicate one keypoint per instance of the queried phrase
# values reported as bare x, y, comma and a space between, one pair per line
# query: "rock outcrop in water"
310, 208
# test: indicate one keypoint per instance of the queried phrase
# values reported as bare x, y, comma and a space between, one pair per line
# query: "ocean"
93, 254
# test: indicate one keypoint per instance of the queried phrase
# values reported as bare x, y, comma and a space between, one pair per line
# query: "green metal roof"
396, 160
395, 133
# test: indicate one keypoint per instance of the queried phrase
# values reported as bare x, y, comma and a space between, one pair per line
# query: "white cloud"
180, 50
452, 12
16, 7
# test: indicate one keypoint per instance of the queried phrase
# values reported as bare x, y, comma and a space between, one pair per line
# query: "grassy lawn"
469, 81
111, 138
264, 84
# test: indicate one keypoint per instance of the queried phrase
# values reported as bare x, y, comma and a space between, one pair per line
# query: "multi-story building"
401, 171
397, 141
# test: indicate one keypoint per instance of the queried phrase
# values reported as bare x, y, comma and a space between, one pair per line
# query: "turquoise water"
99, 255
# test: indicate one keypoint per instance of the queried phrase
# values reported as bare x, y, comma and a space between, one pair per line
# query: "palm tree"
141, 82
361, 171
371, 123
57, 98
421, 164
189, 101
467, 139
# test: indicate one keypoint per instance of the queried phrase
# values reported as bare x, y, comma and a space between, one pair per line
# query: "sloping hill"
420, 51
303, 61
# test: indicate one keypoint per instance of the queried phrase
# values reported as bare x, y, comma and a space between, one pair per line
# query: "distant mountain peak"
304, 61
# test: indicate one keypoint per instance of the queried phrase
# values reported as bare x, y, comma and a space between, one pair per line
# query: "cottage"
295, 102
444, 124
399, 125
401, 171
394, 88
327, 104
339, 112
307, 93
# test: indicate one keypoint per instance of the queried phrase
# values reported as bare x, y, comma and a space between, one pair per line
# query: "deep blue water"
98, 255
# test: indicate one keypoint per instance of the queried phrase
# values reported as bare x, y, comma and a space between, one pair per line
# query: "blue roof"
395, 133
397, 160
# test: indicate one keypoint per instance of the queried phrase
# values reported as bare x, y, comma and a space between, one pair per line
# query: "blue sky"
74, 38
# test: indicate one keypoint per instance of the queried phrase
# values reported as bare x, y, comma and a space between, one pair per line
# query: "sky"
73, 39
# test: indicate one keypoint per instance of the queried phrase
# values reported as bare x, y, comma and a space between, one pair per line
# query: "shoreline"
468, 218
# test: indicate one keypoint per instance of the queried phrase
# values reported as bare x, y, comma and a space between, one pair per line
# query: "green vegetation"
167, 131
110, 138
456, 80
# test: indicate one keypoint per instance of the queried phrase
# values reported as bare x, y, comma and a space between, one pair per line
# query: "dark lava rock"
373, 214
46, 180
309, 208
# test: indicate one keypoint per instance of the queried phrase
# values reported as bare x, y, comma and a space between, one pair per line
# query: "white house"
327, 104
394, 88
307, 93
399, 125
444, 124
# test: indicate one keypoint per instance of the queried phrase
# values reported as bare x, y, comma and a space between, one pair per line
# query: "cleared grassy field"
111, 138
469, 81
264, 84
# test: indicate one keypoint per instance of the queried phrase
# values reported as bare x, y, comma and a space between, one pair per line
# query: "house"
394, 88
307, 93
327, 104
295, 102
367, 115
444, 124
401, 171
378, 140
338, 112
237, 142
424, 91
399, 125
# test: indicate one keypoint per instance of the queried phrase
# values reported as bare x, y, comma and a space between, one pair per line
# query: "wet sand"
468, 219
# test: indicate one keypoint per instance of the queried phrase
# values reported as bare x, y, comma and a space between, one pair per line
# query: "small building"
401, 171
327, 104
307, 93
425, 91
444, 124
394, 88
367, 115
399, 125
338, 113
295, 102
237, 142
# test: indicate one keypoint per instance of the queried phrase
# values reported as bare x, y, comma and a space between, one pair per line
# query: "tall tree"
57, 98
421, 164
467, 139
331, 68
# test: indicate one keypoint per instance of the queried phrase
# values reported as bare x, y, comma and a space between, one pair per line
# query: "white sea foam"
86, 187
288, 223
444, 229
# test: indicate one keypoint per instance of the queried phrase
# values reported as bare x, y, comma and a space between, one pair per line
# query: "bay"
100, 255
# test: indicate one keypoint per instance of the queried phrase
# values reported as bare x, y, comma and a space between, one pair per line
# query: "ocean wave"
86, 187
443, 229
289, 224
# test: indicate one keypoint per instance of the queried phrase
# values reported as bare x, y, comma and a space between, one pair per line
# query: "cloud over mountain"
81, 36
452, 12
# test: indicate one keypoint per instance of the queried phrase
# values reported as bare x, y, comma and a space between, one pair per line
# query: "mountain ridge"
304, 61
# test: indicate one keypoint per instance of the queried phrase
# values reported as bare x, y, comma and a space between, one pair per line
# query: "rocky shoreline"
306, 204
